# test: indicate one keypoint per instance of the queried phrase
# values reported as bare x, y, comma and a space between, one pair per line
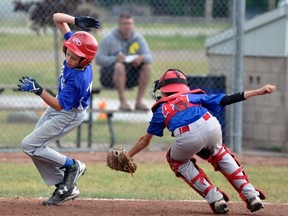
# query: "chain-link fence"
175, 31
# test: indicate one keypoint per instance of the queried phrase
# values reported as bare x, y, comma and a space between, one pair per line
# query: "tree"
41, 12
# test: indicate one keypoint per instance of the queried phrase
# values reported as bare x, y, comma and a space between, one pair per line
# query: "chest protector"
175, 103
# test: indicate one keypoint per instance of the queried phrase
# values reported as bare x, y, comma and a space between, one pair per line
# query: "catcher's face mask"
155, 92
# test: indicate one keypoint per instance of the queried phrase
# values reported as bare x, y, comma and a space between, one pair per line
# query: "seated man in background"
124, 58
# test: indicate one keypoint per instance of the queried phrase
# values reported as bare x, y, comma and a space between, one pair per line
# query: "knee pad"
214, 160
175, 164
219, 156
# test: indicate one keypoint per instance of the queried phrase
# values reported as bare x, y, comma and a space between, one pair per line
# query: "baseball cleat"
254, 204
62, 194
73, 173
219, 207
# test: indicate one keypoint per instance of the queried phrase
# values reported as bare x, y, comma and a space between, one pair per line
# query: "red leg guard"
174, 165
234, 176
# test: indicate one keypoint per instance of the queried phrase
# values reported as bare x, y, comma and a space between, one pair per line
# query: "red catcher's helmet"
84, 45
173, 80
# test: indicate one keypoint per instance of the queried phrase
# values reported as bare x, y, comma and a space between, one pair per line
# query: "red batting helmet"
173, 80
84, 45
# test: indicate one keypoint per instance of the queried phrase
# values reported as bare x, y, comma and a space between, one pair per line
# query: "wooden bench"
109, 113
89, 121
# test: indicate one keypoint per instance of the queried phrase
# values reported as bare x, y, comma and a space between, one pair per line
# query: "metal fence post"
239, 17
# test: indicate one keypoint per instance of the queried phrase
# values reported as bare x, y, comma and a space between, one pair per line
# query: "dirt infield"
33, 207
251, 158
83, 207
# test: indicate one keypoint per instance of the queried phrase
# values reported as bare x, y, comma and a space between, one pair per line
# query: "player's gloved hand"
86, 23
29, 84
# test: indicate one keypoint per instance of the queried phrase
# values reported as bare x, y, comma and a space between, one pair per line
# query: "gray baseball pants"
51, 126
206, 134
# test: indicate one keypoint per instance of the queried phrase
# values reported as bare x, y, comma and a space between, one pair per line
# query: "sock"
69, 162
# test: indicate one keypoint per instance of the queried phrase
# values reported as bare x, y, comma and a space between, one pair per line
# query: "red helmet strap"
81, 60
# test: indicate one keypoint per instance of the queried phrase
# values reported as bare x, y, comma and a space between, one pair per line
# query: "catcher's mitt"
118, 161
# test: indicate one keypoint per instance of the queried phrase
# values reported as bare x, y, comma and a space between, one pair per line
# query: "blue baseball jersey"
74, 85
187, 116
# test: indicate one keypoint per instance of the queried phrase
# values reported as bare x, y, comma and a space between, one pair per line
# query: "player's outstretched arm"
142, 143
235, 98
266, 89
121, 160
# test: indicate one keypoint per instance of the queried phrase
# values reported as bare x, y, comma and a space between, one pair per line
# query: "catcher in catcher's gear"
185, 113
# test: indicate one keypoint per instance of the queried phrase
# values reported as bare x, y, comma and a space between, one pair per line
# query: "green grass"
33, 42
176, 42
44, 71
170, 25
150, 25
151, 181
13, 133
23, 42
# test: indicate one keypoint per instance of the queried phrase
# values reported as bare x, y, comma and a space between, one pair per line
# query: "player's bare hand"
267, 89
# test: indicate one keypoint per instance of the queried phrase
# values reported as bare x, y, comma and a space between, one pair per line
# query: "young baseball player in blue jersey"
66, 111
186, 114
